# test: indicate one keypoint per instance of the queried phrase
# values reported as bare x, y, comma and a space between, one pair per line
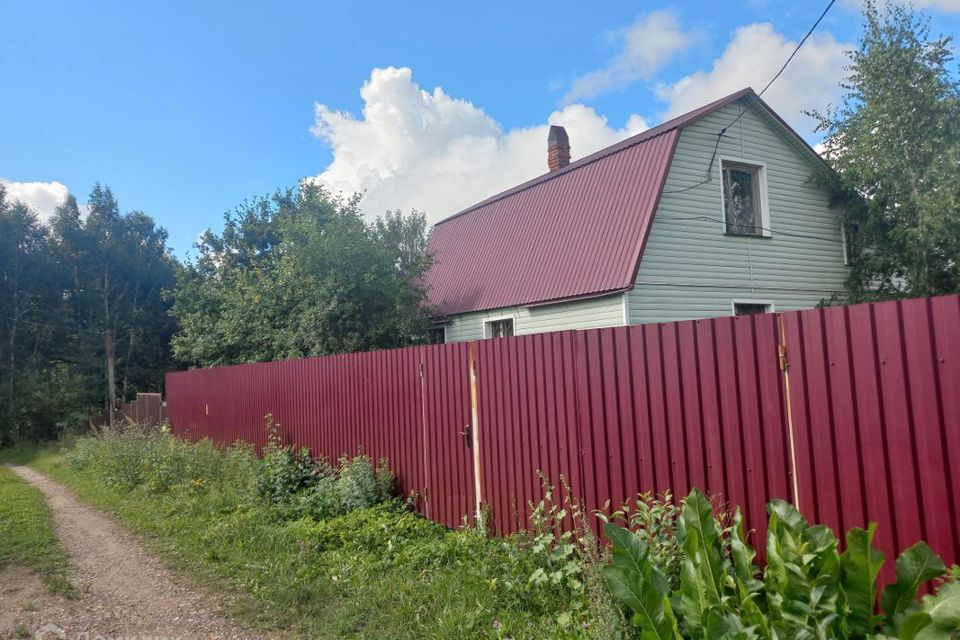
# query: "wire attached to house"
783, 68
743, 227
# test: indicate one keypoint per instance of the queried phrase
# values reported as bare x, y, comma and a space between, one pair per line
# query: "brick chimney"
558, 148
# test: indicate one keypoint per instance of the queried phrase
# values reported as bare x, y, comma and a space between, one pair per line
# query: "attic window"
499, 328
744, 199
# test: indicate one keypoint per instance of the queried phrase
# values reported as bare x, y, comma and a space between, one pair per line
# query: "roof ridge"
639, 138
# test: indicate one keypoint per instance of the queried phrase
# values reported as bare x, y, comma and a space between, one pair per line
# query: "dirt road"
125, 592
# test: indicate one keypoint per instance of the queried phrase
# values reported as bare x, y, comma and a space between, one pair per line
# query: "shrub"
131, 456
355, 484
655, 519
808, 589
284, 472
359, 485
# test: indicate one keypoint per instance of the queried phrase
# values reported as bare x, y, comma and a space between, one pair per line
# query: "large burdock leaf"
703, 571
912, 624
700, 536
748, 587
743, 554
944, 611
859, 565
634, 582
728, 627
802, 576
915, 566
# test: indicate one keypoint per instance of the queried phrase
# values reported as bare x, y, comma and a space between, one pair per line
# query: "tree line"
74, 291
95, 307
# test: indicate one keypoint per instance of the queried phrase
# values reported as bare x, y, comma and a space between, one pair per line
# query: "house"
712, 213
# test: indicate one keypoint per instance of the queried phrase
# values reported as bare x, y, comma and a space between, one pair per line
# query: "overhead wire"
705, 218
783, 68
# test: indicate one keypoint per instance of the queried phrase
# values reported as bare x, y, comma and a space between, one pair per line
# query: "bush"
807, 590
354, 484
655, 519
284, 472
131, 456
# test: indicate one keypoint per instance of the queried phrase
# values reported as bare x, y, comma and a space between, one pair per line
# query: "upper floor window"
744, 199
500, 328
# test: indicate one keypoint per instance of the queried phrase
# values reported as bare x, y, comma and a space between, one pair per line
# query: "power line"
705, 218
709, 177
789, 60
783, 68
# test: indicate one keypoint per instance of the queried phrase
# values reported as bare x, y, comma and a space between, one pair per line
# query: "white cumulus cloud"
647, 45
752, 57
427, 150
43, 197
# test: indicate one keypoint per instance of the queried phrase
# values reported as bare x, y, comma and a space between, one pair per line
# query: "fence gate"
449, 482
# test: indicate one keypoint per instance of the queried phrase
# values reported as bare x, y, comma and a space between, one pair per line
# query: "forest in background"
94, 307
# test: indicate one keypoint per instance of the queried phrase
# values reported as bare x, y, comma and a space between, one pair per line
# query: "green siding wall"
690, 269
581, 314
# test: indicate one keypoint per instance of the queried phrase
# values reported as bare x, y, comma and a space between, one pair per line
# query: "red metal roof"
572, 233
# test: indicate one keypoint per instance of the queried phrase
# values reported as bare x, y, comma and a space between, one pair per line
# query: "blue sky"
187, 108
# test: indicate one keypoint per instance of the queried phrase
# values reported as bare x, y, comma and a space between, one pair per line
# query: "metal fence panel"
853, 413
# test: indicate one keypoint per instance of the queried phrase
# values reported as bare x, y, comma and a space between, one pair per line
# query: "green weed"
26, 534
334, 557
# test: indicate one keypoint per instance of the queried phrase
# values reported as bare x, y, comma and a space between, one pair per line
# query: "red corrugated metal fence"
850, 412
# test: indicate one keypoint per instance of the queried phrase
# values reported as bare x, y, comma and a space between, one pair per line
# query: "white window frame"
443, 326
488, 330
765, 231
846, 249
735, 301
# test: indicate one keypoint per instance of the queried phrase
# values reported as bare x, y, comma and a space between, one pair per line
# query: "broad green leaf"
743, 554
802, 577
912, 624
915, 566
633, 581
775, 573
752, 616
648, 607
720, 626
860, 564
694, 602
700, 536
787, 514
944, 611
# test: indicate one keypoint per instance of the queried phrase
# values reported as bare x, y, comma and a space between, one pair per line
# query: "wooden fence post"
785, 369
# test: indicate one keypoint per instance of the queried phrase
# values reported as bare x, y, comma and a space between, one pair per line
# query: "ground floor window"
500, 328
437, 334
751, 307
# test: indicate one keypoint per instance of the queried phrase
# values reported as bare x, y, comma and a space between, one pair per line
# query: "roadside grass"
377, 572
26, 534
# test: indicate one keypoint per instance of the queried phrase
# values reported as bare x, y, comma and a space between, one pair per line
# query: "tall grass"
365, 567
26, 534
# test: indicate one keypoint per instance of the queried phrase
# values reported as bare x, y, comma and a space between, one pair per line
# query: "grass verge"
26, 534
376, 572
